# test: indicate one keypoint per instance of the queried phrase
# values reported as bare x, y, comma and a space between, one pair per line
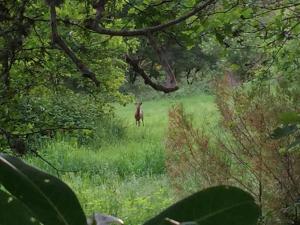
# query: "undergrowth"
120, 169
240, 151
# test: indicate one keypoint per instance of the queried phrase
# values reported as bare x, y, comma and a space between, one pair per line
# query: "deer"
139, 116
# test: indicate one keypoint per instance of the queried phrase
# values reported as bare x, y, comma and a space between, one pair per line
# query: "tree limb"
62, 44
93, 25
147, 79
145, 31
100, 8
170, 76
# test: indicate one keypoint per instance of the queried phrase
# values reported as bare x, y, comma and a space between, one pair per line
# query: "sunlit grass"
156, 115
125, 177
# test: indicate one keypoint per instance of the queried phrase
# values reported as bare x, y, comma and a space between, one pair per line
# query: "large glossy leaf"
221, 205
284, 131
52, 201
13, 212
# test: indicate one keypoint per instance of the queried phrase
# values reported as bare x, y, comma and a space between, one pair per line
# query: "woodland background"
219, 81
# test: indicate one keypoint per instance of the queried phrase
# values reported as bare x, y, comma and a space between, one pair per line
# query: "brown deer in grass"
139, 116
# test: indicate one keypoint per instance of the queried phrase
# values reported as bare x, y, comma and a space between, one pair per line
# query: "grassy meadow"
124, 175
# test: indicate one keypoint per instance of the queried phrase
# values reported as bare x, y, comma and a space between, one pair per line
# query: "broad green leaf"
247, 13
13, 212
284, 131
221, 205
52, 201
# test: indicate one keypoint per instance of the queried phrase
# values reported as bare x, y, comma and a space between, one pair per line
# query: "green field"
125, 176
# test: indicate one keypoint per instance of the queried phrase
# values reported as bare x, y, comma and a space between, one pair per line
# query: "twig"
51, 165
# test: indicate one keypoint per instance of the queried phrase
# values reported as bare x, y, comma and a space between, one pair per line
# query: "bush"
241, 152
31, 119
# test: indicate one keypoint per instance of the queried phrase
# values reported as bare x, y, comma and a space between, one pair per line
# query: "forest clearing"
126, 176
149, 112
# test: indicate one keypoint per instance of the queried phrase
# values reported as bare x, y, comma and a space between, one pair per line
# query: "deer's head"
138, 104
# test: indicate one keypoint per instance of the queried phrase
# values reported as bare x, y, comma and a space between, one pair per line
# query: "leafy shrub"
36, 117
241, 151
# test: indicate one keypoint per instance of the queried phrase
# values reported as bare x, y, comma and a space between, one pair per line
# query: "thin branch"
56, 129
51, 165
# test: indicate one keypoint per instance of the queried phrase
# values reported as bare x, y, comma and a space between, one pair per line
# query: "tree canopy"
62, 61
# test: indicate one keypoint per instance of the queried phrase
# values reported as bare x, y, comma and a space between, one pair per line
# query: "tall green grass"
121, 170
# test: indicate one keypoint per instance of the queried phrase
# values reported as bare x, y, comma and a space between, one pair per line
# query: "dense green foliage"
171, 39
65, 66
44, 198
41, 93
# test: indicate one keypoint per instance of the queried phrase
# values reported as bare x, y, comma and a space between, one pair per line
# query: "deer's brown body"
139, 116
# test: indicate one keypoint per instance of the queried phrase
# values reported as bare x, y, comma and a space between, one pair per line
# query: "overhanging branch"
145, 31
93, 25
170, 76
147, 79
62, 44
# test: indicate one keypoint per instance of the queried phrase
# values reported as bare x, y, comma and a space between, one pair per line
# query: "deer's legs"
138, 122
